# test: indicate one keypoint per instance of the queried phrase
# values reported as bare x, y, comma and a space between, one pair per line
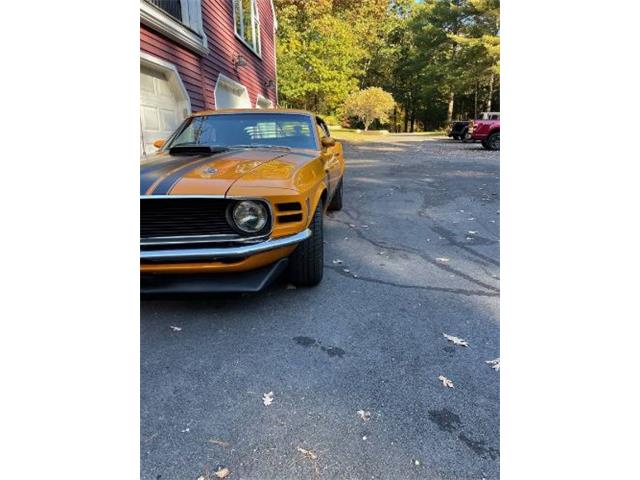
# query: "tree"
319, 55
439, 59
370, 104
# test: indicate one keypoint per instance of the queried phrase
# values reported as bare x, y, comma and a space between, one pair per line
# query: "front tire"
306, 263
493, 142
336, 201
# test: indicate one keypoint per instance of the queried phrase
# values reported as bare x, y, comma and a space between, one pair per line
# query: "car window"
279, 129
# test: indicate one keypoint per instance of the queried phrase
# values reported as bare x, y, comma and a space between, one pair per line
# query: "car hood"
164, 174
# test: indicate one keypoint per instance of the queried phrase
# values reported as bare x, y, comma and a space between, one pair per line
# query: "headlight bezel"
261, 205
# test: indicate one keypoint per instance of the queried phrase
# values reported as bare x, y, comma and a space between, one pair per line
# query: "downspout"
275, 56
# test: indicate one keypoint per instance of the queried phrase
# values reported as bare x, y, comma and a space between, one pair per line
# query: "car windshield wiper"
259, 145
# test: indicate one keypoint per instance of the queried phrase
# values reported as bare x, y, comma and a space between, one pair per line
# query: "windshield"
247, 130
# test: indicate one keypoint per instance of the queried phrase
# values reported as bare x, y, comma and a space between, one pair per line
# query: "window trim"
255, 14
194, 39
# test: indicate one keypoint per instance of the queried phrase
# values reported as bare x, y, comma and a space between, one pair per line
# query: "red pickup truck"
488, 132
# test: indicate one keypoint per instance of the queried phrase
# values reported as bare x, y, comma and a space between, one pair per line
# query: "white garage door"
230, 94
160, 110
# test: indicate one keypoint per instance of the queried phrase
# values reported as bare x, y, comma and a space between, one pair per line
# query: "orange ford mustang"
234, 198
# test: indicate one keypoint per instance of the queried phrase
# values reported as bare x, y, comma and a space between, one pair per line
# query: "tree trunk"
413, 118
490, 93
450, 109
406, 118
475, 102
395, 124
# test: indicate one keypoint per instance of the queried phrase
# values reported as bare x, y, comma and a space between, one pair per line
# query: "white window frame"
189, 32
255, 19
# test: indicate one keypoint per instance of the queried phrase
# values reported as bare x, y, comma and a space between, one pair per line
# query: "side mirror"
327, 142
159, 143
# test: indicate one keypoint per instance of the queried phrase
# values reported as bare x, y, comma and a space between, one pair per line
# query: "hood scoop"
181, 150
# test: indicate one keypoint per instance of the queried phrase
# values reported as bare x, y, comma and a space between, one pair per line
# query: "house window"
180, 20
172, 7
247, 23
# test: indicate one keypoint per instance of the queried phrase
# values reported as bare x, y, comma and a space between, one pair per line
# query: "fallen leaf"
219, 442
364, 438
346, 270
365, 226
470, 238
267, 398
175, 329
445, 381
495, 364
307, 453
291, 287
456, 340
355, 275
364, 414
442, 259
472, 232
337, 261
352, 225
223, 473
185, 430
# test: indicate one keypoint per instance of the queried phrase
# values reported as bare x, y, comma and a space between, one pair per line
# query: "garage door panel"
168, 120
146, 83
150, 120
164, 90
161, 107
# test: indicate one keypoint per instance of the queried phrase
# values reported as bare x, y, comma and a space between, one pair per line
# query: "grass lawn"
359, 136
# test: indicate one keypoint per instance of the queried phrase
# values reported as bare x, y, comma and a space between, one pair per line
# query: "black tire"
306, 263
456, 137
466, 136
493, 142
336, 201
484, 144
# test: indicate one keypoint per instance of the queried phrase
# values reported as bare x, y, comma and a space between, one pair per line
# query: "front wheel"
493, 142
306, 263
336, 201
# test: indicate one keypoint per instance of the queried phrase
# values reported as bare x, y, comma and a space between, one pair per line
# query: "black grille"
171, 217
288, 207
458, 127
296, 217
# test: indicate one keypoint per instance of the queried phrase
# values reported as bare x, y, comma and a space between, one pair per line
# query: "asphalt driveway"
413, 255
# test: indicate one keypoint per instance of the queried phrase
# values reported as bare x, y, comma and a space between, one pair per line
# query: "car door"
332, 158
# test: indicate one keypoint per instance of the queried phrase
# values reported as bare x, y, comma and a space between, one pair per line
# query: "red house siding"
199, 73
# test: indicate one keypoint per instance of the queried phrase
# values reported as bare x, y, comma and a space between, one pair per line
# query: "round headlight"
250, 217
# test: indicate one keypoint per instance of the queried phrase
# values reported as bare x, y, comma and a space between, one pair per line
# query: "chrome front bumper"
190, 254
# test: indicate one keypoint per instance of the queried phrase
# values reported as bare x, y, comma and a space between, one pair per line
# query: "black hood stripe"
152, 172
169, 181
